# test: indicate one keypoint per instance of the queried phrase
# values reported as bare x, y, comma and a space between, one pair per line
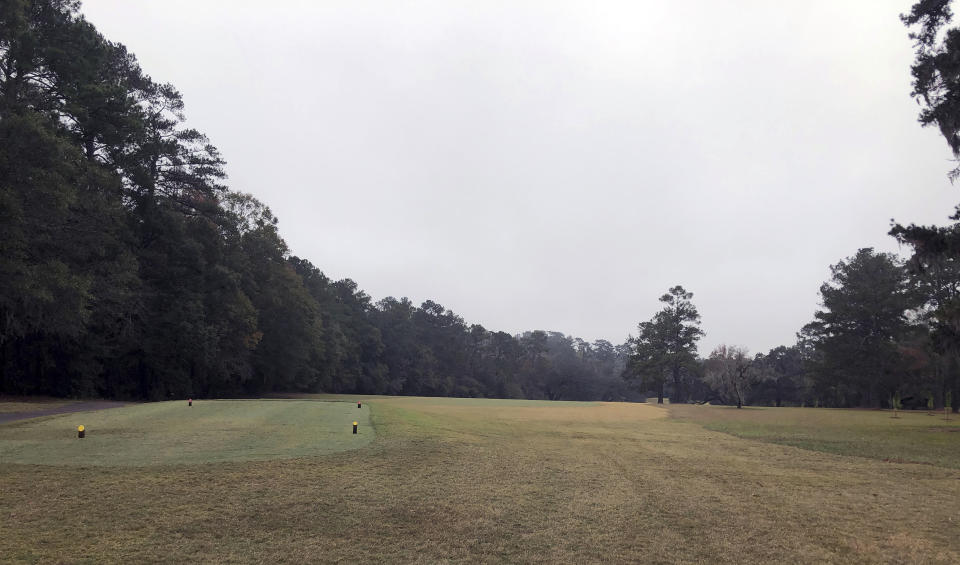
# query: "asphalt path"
65, 409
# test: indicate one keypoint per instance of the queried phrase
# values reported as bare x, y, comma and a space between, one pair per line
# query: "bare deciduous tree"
729, 371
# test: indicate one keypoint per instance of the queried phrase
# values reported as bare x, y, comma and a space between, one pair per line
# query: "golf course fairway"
440, 480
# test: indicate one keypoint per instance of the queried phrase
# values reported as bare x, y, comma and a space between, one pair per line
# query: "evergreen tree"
666, 346
864, 318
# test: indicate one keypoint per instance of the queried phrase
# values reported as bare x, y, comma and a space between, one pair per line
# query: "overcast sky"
559, 165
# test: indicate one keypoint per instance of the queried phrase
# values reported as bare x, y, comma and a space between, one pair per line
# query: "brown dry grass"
496, 482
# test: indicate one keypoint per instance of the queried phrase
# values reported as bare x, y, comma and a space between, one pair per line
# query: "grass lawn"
170, 433
912, 437
469, 481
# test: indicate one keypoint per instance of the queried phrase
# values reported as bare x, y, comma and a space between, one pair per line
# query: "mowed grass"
912, 437
171, 433
451, 481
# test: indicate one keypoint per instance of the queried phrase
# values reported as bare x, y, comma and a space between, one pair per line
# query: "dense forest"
129, 269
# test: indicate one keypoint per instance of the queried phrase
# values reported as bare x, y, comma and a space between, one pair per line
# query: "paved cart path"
65, 409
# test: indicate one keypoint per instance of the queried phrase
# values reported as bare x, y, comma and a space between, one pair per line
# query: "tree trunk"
677, 393
4, 371
660, 393
12, 81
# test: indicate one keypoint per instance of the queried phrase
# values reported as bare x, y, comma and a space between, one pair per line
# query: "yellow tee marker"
354, 427
80, 431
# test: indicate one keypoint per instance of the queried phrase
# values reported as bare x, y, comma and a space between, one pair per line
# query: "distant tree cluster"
885, 331
888, 333
128, 269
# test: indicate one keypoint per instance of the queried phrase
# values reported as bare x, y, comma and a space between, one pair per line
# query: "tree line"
128, 268
888, 332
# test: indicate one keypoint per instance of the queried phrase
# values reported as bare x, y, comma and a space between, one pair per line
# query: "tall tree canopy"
129, 269
936, 250
667, 345
864, 318
936, 69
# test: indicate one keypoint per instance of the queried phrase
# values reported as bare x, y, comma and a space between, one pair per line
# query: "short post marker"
189, 402
358, 405
354, 428
80, 431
